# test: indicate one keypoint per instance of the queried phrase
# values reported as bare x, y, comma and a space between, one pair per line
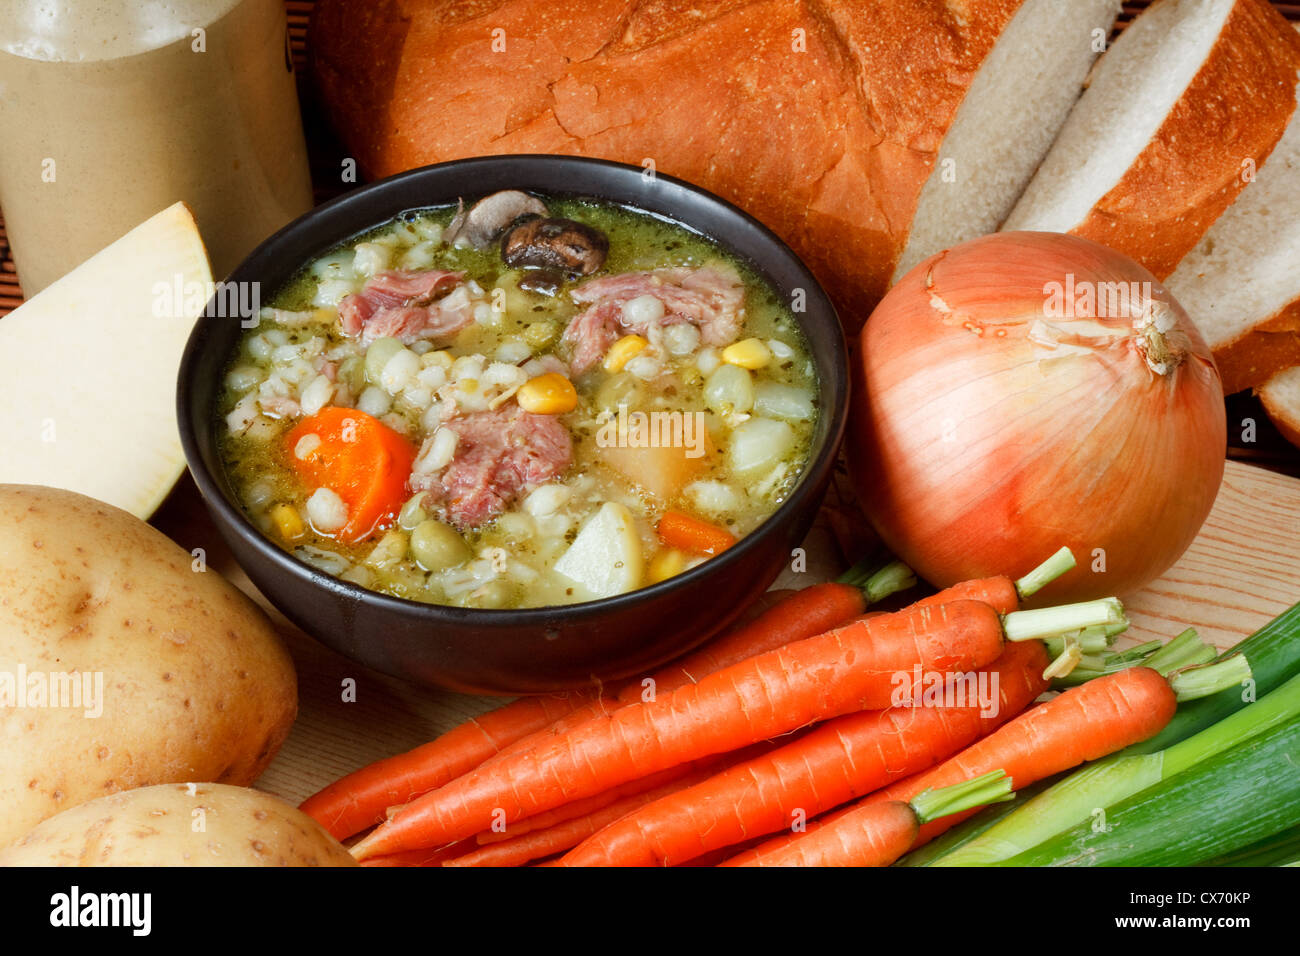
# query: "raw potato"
208, 824
193, 682
89, 367
606, 556
665, 469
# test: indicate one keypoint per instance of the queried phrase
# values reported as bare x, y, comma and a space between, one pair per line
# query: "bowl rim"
833, 395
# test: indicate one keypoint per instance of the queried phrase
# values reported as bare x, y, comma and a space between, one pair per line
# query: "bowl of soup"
515, 424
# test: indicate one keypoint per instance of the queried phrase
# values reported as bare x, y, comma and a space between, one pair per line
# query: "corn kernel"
623, 351
665, 564
549, 394
747, 353
288, 522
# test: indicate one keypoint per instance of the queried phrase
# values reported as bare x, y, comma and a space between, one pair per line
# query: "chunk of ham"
499, 454
711, 298
327, 368
407, 305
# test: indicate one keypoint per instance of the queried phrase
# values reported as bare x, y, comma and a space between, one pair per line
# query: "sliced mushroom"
542, 281
572, 247
490, 216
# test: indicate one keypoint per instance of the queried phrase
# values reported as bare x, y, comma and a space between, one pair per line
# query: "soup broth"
515, 416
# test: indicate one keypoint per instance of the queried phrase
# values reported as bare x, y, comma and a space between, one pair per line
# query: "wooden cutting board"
1242, 571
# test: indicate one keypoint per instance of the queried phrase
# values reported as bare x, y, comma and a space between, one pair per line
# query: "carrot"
807, 612
847, 669
679, 530
835, 762
795, 616
877, 834
426, 857
597, 707
587, 806
552, 840
1084, 723
357, 457
563, 834
998, 593
360, 800
1001, 593
804, 614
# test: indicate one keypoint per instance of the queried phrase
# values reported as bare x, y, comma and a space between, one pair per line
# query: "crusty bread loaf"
1241, 284
824, 119
1190, 95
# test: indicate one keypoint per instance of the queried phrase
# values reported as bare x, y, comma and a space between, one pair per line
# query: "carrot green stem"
1179, 643
992, 787
1056, 621
878, 580
1090, 640
891, 579
1207, 679
1064, 663
1133, 654
1045, 573
1081, 675
1092, 662
860, 572
1090, 667
1185, 650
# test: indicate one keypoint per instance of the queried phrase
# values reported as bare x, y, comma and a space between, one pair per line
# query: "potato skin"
197, 686
206, 824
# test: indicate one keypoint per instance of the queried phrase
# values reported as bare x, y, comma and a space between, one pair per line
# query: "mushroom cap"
491, 215
539, 243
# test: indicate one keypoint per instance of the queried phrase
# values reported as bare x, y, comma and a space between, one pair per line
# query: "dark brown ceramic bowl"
537, 649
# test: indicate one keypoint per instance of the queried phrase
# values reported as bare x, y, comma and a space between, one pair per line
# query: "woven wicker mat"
1269, 450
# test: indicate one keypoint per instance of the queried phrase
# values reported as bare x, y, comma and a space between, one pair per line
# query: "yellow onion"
1027, 391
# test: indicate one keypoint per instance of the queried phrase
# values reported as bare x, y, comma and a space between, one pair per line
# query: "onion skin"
974, 456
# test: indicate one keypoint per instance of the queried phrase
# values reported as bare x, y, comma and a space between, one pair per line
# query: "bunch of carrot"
361, 799
786, 718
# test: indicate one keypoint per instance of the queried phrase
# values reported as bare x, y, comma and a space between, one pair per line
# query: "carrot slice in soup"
360, 459
679, 530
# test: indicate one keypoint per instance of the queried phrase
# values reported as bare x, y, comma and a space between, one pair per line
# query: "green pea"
540, 335
730, 387
619, 389
412, 513
494, 594
352, 372
377, 356
437, 546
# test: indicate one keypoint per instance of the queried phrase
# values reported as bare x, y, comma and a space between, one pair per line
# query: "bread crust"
1262, 351
1285, 420
1236, 108
793, 109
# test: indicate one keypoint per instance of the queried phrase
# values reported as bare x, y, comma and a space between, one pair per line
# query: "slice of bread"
1241, 284
1280, 396
1192, 93
1274, 264
1007, 121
